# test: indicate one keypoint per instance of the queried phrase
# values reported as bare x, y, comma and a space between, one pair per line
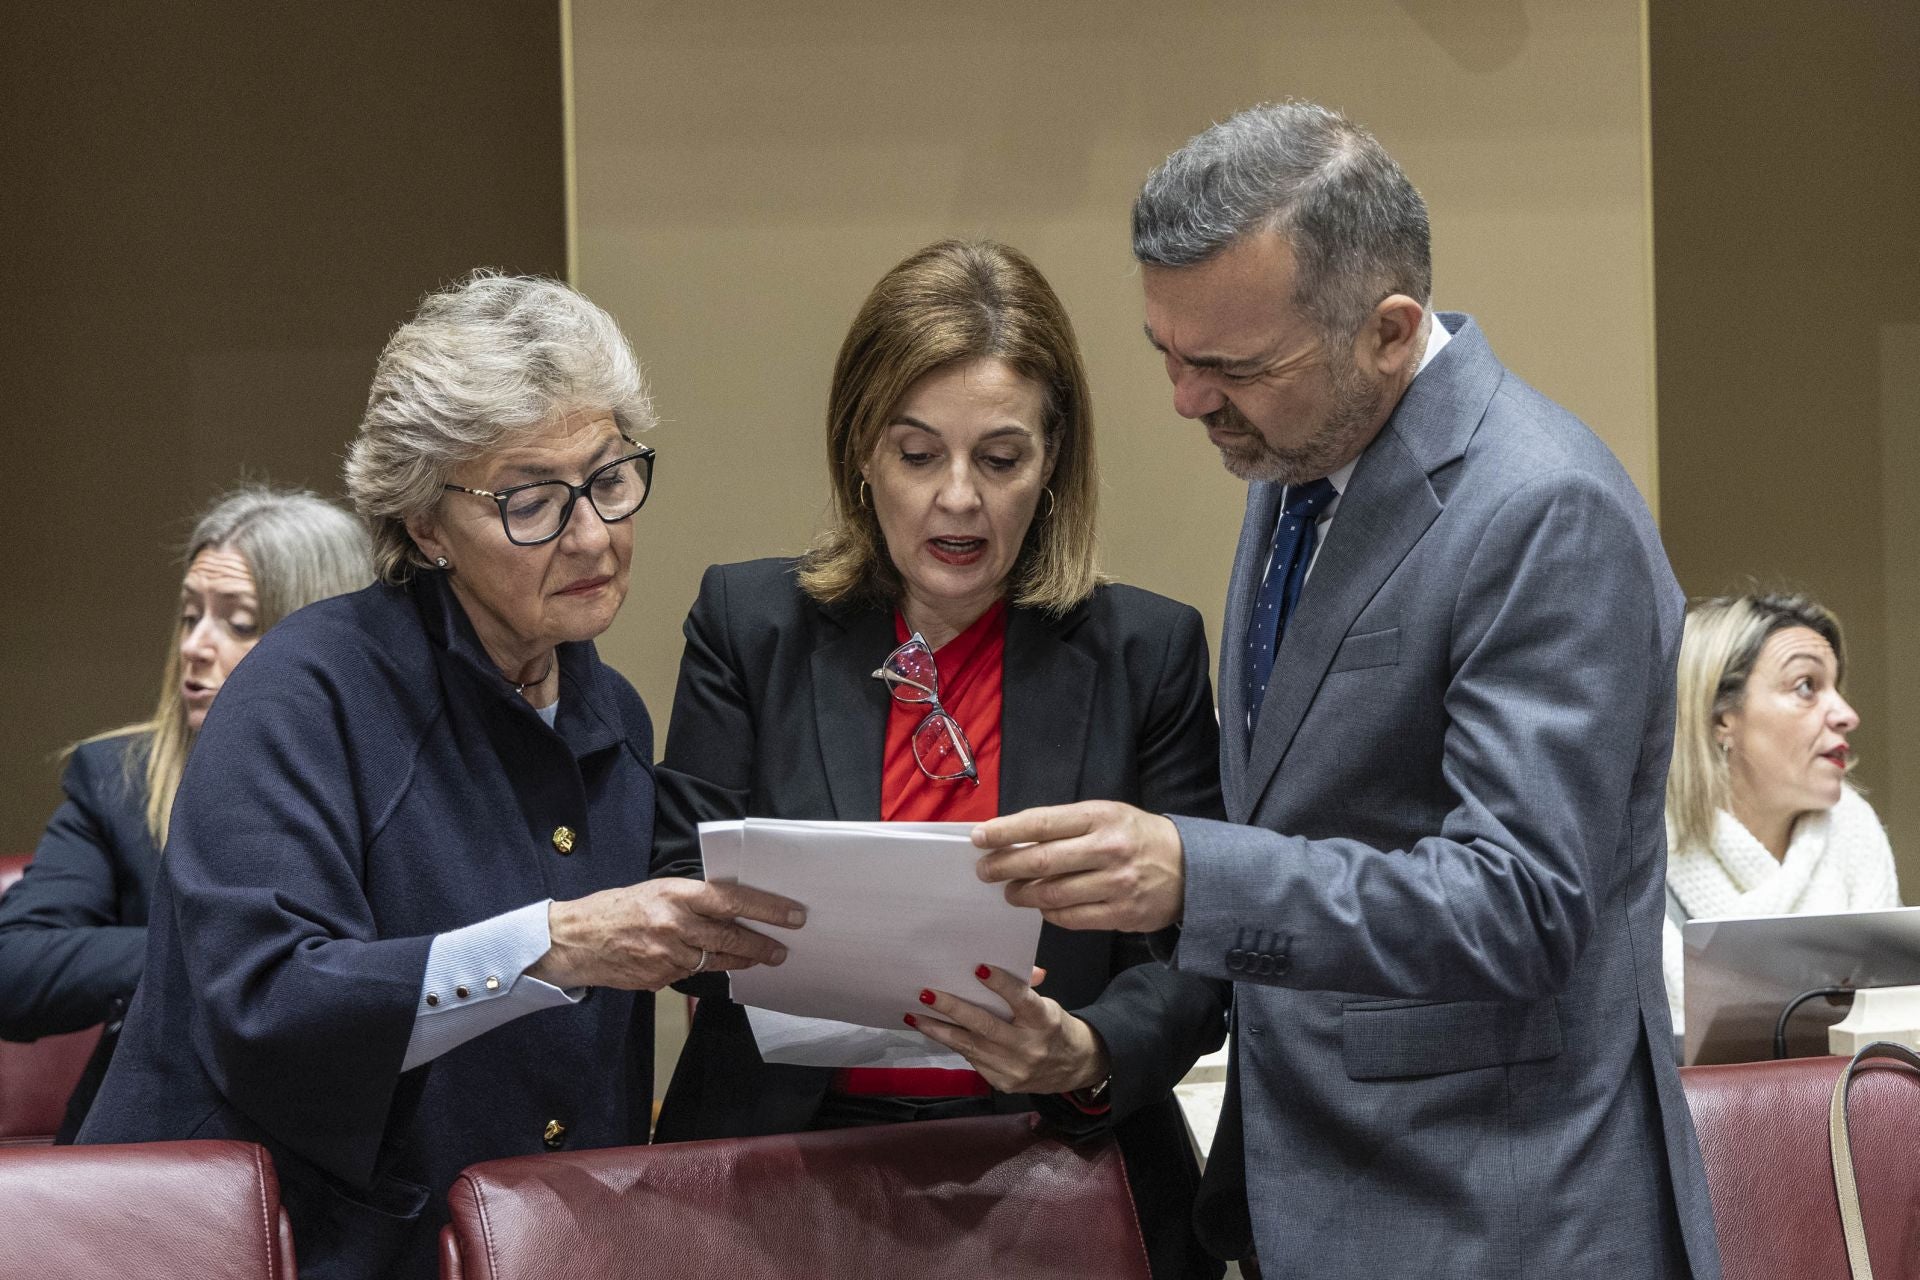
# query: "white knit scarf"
1836, 861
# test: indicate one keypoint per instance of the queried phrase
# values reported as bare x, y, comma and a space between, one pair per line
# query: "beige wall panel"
1898, 797
746, 171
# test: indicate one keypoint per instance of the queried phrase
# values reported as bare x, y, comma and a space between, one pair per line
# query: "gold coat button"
563, 840
554, 1135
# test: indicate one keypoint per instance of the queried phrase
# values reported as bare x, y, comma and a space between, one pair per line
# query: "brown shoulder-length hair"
951, 302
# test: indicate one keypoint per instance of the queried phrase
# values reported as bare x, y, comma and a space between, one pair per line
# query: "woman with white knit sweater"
1760, 818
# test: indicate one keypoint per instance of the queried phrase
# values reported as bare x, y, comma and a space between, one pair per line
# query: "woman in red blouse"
959, 559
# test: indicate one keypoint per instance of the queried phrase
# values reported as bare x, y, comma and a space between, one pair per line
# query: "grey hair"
299, 547
486, 359
1356, 225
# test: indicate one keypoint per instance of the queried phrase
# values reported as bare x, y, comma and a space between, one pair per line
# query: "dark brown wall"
211, 217
1786, 180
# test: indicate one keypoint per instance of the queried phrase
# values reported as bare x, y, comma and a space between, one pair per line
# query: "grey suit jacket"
1439, 891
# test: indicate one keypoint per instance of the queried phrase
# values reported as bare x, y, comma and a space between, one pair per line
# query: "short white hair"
484, 360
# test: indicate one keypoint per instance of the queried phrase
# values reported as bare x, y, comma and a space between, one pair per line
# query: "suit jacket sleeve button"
563, 840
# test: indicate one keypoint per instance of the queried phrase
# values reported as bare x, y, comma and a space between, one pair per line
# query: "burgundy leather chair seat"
1763, 1133
971, 1198
156, 1211
36, 1079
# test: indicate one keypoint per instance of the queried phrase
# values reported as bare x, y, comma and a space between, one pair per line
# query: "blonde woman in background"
73, 935
1760, 818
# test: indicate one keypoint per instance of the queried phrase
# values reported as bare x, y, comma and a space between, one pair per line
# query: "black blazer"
73, 931
777, 715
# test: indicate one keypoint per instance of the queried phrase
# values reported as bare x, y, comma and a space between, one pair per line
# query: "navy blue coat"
73, 931
366, 781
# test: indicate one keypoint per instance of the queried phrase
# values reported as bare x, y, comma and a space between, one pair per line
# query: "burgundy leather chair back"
35, 1082
36, 1079
1763, 1133
157, 1211
984, 1196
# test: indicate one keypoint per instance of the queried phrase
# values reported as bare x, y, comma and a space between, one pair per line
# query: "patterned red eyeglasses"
940, 745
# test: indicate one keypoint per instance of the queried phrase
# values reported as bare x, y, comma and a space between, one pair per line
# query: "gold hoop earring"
863, 494
1048, 513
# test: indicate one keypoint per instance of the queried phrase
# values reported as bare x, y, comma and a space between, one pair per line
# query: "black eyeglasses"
536, 512
940, 745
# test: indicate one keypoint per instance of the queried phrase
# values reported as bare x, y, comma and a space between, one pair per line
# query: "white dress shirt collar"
1437, 338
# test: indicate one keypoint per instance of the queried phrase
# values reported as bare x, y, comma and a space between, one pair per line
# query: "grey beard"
1340, 438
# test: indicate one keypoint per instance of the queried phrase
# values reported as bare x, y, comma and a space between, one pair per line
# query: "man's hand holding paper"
1093, 865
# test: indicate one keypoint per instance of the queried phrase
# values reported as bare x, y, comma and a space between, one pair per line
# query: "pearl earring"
439, 562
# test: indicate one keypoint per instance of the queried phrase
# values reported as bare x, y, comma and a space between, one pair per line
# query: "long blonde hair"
1718, 649
954, 301
299, 549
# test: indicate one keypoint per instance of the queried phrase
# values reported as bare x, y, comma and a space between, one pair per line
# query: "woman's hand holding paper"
1042, 1049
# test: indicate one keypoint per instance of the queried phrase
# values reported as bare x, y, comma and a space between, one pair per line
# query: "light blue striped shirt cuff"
476, 980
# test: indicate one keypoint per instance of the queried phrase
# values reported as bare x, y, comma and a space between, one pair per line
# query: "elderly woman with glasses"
948, 652
410, 908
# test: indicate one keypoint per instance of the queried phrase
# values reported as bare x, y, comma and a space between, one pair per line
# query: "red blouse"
970, 668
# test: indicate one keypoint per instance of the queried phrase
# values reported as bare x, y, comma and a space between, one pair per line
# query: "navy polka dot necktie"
1293, 538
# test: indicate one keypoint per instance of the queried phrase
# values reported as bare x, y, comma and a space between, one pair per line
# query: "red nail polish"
926, 997
911, 1022
983, 973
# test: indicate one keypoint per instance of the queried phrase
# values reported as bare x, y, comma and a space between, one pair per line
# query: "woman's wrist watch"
1093, 1097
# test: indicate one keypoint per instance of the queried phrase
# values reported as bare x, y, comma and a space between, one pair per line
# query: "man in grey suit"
1446, 709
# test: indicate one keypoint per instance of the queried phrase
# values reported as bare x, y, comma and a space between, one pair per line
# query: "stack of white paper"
892, 908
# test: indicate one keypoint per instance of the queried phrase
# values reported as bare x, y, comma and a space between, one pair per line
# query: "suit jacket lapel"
850, 711
1387, 507
1047, 689
1249, 562
1383, 513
